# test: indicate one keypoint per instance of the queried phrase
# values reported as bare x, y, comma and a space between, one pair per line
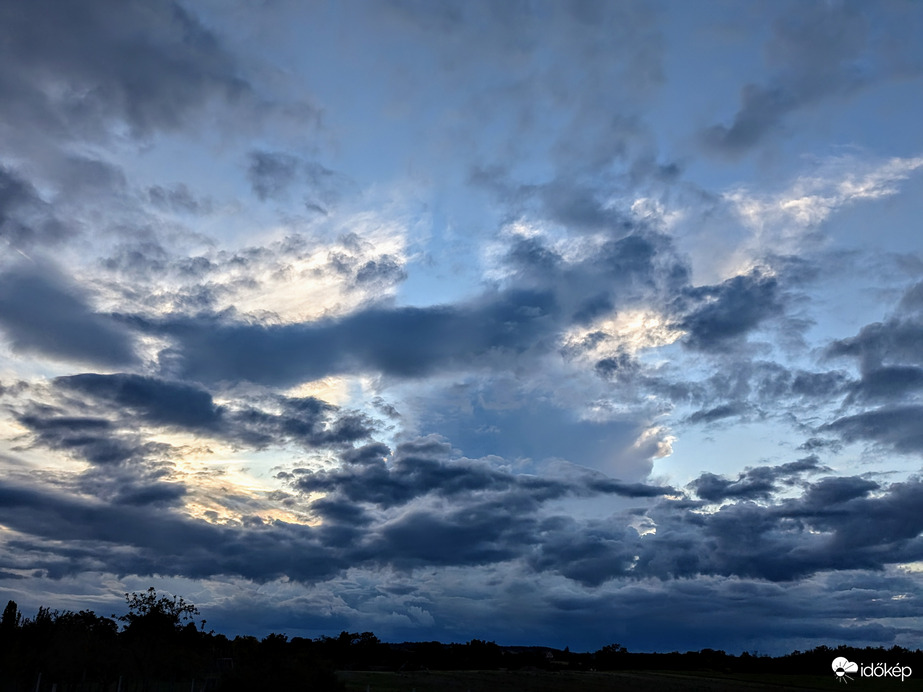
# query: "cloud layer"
557, 323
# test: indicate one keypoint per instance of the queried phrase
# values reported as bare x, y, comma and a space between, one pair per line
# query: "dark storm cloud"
142, 483
25, 218
835, 525
430, 507
754, 483
42, 312
890, 382
493, 517
428, 469
587, 552
104, 419
896, 426
720, 316
148, 64
157, 401
738, 387
717, 413
895, 342
635, 265
546, 296
475, 534
738, 614
889, 358
830, 492
816, 52
91, 438
135, 398
144, 539
636, 490
407, 342
818, 384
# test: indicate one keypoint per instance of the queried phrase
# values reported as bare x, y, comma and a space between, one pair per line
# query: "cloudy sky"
562, 323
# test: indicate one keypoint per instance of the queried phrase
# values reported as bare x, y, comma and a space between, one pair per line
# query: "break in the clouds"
532, 323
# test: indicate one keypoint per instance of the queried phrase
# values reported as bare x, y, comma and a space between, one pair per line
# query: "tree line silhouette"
158, 647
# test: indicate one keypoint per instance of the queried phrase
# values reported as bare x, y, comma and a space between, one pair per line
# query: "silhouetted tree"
161, 636
11, 618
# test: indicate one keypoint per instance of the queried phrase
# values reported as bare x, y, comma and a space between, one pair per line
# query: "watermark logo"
842, 667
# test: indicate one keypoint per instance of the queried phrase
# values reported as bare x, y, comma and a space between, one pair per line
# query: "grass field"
573, 681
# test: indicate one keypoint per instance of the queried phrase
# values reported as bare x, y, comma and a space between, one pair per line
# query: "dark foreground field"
574, 681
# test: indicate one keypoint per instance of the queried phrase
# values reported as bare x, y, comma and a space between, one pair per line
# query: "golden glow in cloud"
629, 331
303, 287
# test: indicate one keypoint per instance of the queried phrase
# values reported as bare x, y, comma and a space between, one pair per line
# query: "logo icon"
842, 666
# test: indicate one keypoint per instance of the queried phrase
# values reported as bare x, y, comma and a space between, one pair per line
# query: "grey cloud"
829, 492
889, 360
896, 426
273, 173
384, 269
760, 114
708, 486
198, 284
889, 382
912, 300
415, 472
149, 64
818, 52
717, 413
125, 469
81, 175
634, 265
128, 468
481, 533
178, 198
407, 342
754, 483
158, 401
522, 320
719, 316
427, 506
306, 421
814, 443
499, 416
145, 481
818, 384
836, 524
153, 541
41, 312
619, 366
895, 340
25, 218
530, 255
91, 438
590, 554
614, 487
577, 206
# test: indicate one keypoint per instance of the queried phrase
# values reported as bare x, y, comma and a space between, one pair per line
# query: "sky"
540, 322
